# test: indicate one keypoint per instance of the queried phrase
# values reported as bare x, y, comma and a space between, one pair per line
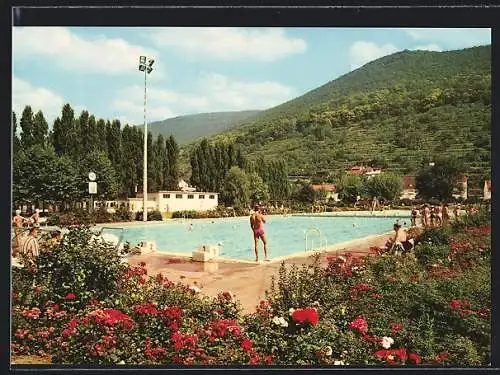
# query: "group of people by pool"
430, 215
26, 244
434, 215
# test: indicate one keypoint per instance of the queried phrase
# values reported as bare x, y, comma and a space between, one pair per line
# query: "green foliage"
482, 217
306, 194
39, 174
115, 154
435, 236
259, 191
107, 178
152, 216
236, 191
403, 108
210, 164
40, 129
79, 265
439, 181
350, 187
384, 186
83, 216
186, 214
339, 314
27, 139
189, 128
428, 254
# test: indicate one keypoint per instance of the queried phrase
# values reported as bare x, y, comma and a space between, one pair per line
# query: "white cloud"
362, 52
451, 38
428, 47
245, 95
215, 93
39, 98
61, 46
230, 43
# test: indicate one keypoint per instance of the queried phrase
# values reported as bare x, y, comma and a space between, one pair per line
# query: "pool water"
286, 235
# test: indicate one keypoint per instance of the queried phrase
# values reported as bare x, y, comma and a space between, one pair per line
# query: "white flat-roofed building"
170, 201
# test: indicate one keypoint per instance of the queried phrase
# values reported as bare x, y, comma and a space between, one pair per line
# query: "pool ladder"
312, 233
120, 237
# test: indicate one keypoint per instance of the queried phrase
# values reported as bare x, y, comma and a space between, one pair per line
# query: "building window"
190, 196
166, 196
211, 196
178, 196
201, 196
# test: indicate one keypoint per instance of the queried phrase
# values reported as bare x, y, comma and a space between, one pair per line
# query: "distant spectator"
56, 238
432, 213
17, 222
35, 218
31, 249
438, 216
446, 214
414, 214
425, 215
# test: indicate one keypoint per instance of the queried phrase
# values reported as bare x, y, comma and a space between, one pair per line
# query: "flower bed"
430, 307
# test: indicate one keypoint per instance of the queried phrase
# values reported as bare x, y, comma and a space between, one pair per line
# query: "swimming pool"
286, 235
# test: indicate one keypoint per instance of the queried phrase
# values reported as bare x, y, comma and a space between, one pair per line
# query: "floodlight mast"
147, 69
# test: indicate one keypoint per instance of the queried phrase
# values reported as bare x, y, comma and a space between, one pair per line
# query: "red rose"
142, 264
70, 296
308, 315
253, 360
441, 357
415, 358
396, 327
246, 344
359, 324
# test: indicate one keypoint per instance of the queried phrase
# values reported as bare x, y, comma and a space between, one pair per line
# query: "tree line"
222, 167
52, 165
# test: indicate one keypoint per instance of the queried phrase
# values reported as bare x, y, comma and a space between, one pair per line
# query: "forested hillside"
395, 112
188, 128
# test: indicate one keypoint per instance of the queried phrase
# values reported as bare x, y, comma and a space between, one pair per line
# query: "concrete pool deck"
247, 280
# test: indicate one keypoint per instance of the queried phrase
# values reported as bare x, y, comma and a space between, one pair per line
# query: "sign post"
92, 190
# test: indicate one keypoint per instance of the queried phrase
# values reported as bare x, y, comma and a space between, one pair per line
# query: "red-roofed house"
367, 171
329, 189
487, 190
409, 188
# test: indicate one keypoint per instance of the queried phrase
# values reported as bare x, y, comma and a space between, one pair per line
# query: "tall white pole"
145, 176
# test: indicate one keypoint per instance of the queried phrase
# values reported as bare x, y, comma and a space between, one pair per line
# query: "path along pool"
286, 235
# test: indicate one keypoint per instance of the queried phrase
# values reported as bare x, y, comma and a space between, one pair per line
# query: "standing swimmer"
257, 221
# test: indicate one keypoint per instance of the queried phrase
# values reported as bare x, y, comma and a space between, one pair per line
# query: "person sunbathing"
400, 241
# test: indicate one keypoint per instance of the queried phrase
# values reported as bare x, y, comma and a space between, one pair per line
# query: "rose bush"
429, 307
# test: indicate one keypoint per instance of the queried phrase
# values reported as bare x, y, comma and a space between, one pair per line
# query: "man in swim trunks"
257, 221
400, 240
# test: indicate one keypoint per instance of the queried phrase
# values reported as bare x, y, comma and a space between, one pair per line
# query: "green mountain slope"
188, 128
396, 112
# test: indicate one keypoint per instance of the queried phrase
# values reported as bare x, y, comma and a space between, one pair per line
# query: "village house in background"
487, 190
184, 199
187, 198
365, 171
329, 190
409, 188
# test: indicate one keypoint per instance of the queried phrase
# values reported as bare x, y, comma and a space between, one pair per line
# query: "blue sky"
197, 69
